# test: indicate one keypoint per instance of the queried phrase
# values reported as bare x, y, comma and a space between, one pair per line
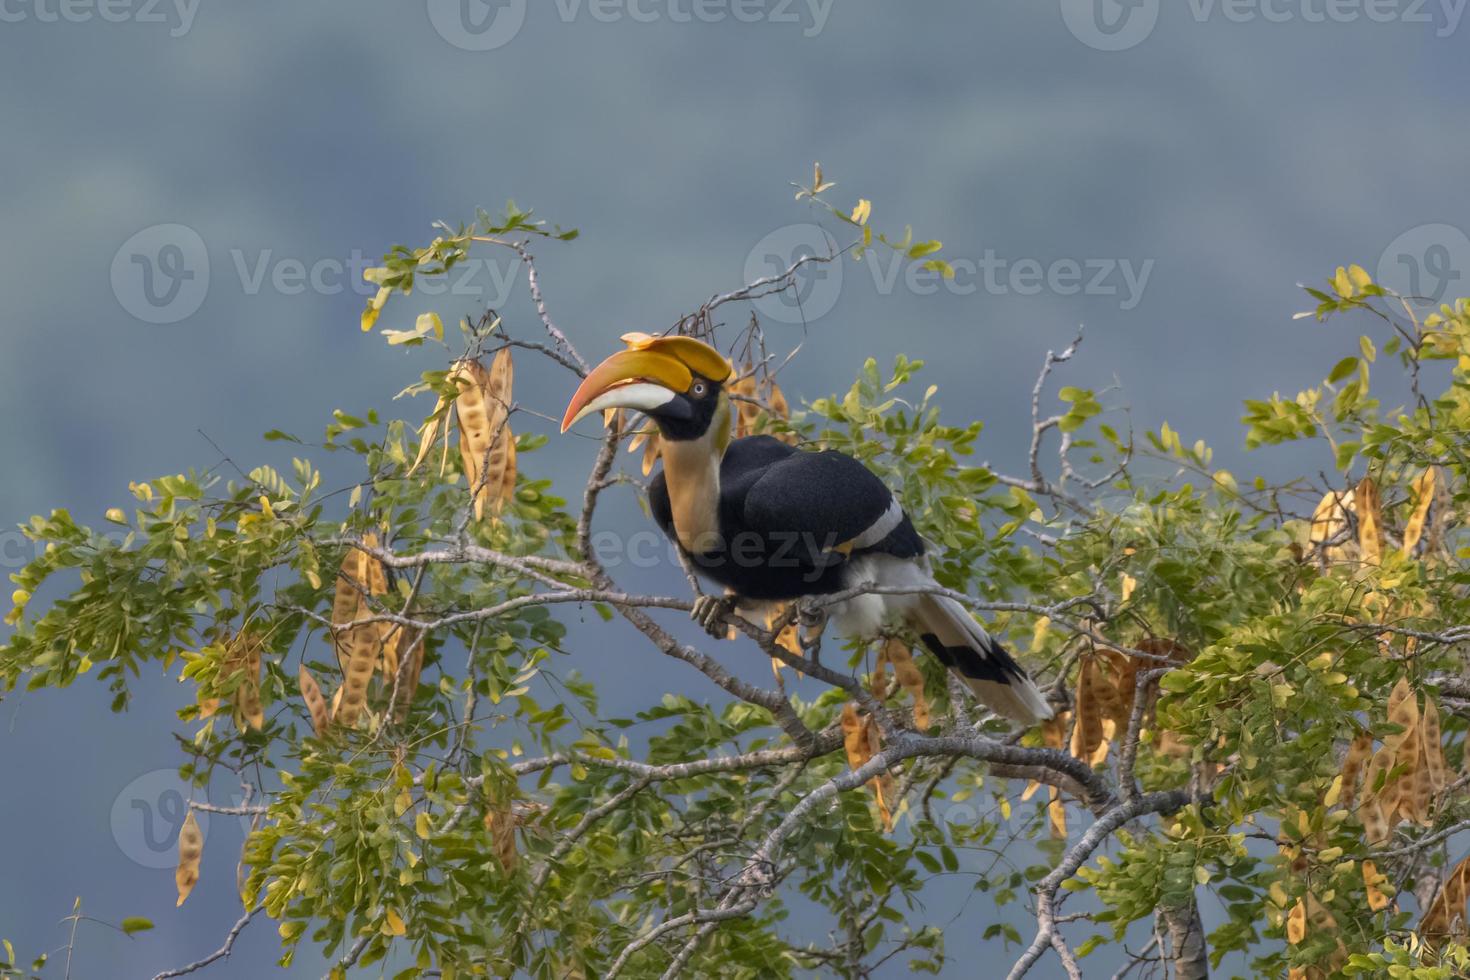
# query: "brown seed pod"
347, 600
410, 645
1423, 497
1433, 747
429, 433
1087, 733
1296, 923
910, 678
502, 823
1329, 521
482, 408
1358, 753
191, 851
1369, 509
1373, 882
1445, 918
316, 704
362, 645
244, 658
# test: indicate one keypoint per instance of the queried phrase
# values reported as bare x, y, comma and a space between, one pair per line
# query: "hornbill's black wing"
820, 502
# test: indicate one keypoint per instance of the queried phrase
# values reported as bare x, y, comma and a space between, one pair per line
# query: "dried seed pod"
1403, 711
1296, 923
1445, 918
362, 645
1358, 753
501, 823
191, 851
860, 741
1372, 812
1423, 497
410, 648
1053, 736
652, 449
375, 576
508, 474
884, 790
878, 683
777, 400
854, 737
910, 678
316, 704
1433, 747
1329, 521
1369, 510
743, 394
482, 408
429, 433
1373, 882
1087, 732
243, 660
347, 600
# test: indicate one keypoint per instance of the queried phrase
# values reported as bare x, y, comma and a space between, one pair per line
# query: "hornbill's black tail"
961, 643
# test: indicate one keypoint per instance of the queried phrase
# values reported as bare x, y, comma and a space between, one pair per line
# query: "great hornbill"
773, 523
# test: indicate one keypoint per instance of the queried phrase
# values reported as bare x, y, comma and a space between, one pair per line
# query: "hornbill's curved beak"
652, 376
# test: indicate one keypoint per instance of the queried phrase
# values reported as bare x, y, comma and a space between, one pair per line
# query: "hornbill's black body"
773, 523
783, 515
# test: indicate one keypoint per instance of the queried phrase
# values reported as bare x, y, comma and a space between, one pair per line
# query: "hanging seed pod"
910, 678
316, 704
1374, 882
1087, 733
429, 433
347, 600
362, 645
1329, 521
191, 851
1358, 753
243, 661
411, 647
1433, 746
1423, 497
1369, 509
508, 475
482, 408
375, 575
501, 823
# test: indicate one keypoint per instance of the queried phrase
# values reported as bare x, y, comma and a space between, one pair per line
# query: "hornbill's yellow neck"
679, 383
692, 470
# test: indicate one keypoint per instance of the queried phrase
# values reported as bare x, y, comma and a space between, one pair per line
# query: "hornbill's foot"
710, 613
811, 620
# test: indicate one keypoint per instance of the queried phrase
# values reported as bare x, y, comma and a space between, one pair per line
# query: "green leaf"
135, 924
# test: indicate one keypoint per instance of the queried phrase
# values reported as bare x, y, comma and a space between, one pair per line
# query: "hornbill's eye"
699, 389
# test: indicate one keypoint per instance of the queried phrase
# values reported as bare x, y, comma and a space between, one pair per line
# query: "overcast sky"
185, 187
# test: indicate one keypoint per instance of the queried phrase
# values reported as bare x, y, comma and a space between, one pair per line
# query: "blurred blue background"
1225, 158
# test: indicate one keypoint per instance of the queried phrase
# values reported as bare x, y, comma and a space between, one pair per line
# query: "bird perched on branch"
773, 523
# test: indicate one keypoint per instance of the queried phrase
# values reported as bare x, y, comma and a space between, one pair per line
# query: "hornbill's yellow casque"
769, 522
